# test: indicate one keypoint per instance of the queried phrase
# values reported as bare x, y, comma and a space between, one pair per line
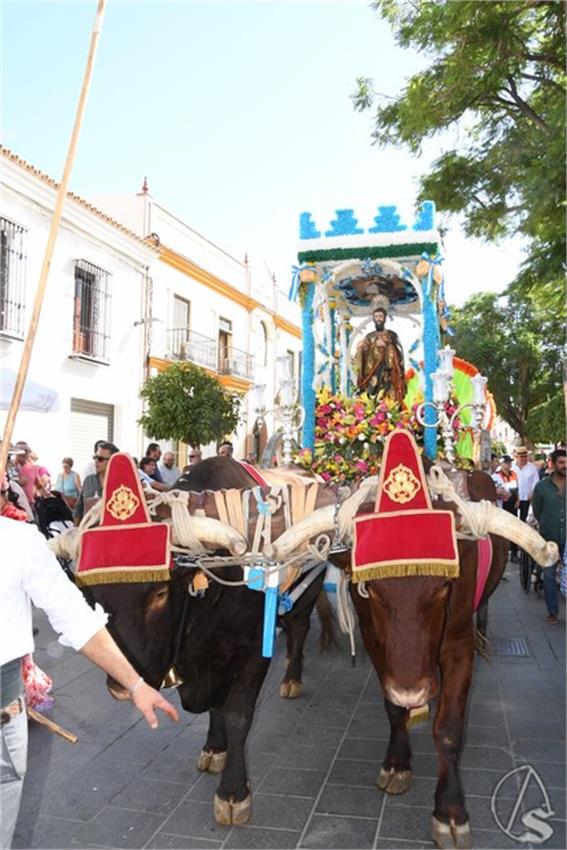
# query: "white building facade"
126, 297
88, 348
223, 314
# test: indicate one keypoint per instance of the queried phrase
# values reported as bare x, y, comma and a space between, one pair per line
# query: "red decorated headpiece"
405, 536
127, 546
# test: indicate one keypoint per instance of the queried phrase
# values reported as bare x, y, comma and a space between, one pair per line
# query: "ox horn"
291, 541
486, 517
207, 533
196, 533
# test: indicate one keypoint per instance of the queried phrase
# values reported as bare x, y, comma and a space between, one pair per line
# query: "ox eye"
157, 599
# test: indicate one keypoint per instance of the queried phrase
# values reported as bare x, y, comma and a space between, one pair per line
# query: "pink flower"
359, 411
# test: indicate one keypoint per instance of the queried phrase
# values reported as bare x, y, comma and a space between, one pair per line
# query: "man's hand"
147, 700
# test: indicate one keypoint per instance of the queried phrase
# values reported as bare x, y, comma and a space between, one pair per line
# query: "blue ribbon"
285, 604
269, 630
255, 579
433, 261
295, 280
263, 507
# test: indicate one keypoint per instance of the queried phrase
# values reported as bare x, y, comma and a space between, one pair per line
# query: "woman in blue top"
68, 483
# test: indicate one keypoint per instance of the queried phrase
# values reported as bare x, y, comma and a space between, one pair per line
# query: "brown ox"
419, 634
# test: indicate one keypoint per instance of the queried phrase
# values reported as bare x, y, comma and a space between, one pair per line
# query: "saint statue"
379, 361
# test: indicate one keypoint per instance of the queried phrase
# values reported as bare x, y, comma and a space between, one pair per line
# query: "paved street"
313, 762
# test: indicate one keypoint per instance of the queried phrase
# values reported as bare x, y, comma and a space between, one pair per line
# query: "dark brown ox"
419, 634
214, 640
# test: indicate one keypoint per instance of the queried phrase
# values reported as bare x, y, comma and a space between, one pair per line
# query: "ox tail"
328, 637
481, 644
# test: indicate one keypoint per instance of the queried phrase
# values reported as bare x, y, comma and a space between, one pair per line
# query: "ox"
214, 640
419, 634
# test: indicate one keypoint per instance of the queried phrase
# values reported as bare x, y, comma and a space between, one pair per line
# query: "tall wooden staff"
53, 230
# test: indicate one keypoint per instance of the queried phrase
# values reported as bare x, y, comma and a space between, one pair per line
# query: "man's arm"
82, 627
103, 651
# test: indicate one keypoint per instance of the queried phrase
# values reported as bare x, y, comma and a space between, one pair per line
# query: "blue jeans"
13, 762
550, 589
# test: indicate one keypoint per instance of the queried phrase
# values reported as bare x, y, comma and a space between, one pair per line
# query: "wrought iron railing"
12, 277
235, 362
91, 318
184, 344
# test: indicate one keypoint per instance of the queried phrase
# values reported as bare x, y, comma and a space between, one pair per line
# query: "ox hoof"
291, 689
449, 836
211, 762
229, 813
393, 781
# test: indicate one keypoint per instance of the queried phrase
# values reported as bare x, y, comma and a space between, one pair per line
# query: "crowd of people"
534, 490
29, 482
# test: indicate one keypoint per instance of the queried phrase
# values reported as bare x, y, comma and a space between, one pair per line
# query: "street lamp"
288, 411
441, 380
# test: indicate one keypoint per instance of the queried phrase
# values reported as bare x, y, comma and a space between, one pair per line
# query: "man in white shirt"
528, 476
30, 573
169, 472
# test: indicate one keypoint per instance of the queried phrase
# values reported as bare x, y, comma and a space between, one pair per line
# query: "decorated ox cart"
398, 504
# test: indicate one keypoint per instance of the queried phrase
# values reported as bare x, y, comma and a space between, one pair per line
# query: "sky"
238, 113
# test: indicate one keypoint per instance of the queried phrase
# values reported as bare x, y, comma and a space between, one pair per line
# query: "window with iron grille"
12, 277
91, 317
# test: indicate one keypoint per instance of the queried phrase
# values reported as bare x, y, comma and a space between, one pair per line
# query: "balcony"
183, 344
236, 362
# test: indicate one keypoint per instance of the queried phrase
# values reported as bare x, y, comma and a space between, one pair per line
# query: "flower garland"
350, 434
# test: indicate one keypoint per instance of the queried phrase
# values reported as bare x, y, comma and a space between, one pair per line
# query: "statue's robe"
380, 365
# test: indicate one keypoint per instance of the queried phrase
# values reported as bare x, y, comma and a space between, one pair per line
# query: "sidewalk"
313, 762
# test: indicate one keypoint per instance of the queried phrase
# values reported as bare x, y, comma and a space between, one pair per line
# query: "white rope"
181, 526
345, 610
475, 520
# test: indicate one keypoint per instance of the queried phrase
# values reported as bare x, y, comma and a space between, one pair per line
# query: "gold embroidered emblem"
401, 485
123, 503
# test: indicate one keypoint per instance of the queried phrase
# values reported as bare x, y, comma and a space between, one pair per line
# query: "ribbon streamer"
296, 279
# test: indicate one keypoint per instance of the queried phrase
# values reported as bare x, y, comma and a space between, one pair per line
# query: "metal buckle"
10, 711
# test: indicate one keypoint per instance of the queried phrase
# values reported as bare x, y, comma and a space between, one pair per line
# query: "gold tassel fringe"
129, 575
377, 571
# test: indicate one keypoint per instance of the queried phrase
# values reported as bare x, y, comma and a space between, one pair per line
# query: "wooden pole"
53, 230
49, 724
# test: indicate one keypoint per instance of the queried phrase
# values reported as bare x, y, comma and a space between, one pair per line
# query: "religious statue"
379, 361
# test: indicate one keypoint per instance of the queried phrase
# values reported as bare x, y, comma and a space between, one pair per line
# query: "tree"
519, 348
497, 76
185, 403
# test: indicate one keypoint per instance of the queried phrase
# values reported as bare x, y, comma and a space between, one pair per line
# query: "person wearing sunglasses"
93, 484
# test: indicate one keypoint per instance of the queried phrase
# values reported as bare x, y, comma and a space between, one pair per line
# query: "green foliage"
519, 348
498, 448
497, 78
185, 403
